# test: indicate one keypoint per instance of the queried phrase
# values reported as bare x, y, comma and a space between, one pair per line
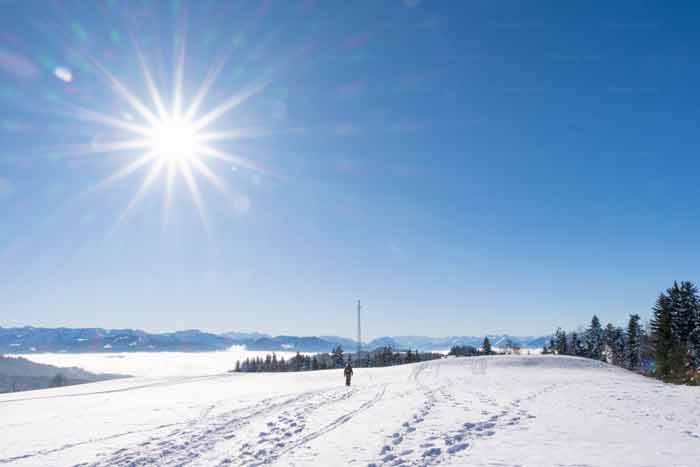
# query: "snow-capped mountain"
31, 339
34, 339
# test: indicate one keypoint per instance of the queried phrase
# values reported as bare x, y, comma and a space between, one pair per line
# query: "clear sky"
462, 167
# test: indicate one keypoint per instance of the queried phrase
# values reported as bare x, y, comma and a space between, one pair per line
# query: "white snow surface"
483, 411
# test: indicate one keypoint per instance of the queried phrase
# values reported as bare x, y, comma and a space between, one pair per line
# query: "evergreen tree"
594, 339
338, 359
58, 380
684, 312
662, 336
238, 366
617, 346
560, 344
613, 345
486, 346
633, 344
576, 346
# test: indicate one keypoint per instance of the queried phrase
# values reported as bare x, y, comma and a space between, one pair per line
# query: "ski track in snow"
448, 412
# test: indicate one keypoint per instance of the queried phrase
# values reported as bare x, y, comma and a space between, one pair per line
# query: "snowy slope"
486, 411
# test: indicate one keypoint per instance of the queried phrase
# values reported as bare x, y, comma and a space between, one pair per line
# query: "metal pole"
359, 329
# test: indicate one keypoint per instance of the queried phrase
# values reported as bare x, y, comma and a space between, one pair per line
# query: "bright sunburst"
174, 140
170, 139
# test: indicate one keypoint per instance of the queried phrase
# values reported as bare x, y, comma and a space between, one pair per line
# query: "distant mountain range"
89, 340
31, 339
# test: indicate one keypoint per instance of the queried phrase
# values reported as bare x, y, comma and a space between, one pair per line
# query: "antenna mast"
359, 329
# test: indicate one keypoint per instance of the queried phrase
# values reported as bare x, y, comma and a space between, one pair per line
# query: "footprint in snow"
457, 447
432, 452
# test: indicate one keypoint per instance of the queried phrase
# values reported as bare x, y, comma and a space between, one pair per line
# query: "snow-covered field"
485, 411
153, 363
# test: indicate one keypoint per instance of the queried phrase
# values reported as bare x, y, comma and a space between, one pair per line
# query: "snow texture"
482, 411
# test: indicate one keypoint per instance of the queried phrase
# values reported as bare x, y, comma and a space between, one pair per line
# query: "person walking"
348, 374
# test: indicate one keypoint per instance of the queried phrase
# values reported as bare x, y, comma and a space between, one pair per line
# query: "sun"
170, 138
174, 140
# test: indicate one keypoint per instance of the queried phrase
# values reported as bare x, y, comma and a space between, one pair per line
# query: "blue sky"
462, 167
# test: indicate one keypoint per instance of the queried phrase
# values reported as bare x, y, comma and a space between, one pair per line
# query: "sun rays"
170, 139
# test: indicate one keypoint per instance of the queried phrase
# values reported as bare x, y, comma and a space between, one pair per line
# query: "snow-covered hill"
485, 411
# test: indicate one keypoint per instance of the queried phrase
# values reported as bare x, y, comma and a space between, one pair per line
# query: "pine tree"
58, 380
576, 346
552, 345
685, 311
613, 345
238, 366
486, 346
694, 350
338, 359
545, 349
615, 342
633, 343
594, 339
560, 344
662, 336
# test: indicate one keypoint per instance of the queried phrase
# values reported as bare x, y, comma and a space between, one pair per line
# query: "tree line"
668, 348
471, 351
337, 358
